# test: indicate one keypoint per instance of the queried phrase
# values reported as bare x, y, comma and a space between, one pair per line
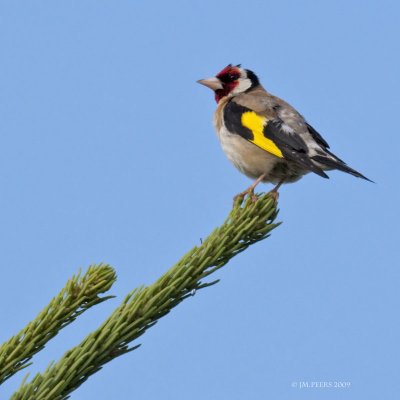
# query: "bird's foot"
274, 194
249, 191
241, 196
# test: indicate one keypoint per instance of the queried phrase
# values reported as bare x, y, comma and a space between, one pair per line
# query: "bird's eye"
229, 77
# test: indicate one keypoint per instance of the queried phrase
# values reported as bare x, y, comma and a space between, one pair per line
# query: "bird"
263, 136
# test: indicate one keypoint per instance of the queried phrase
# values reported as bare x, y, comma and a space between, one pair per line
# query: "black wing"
268, 134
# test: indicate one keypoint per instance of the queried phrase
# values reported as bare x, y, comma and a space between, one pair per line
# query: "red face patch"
229, 78
229, 74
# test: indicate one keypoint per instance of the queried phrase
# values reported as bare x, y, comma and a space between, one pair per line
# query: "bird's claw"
274, 194
241, 196
238, 199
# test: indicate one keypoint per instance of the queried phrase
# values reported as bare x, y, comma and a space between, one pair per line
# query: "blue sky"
108, 154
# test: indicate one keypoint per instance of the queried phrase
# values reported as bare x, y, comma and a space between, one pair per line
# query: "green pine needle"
248, 222
79, 294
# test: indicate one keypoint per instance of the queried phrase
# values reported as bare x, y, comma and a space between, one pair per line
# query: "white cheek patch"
244, 84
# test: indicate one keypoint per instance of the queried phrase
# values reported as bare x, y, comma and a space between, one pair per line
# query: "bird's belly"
247, 157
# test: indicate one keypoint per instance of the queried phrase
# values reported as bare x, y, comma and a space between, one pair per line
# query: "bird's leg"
274, 192
250, 190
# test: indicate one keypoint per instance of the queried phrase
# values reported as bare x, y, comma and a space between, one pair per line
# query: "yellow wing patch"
256, 124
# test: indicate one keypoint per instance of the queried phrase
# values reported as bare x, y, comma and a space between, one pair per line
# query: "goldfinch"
265, 137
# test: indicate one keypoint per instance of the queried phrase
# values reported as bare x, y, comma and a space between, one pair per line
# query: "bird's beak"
212, 83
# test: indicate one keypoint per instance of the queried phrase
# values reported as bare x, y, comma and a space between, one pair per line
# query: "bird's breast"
245, 156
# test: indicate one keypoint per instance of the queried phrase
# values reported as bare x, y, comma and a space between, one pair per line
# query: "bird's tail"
332, 162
